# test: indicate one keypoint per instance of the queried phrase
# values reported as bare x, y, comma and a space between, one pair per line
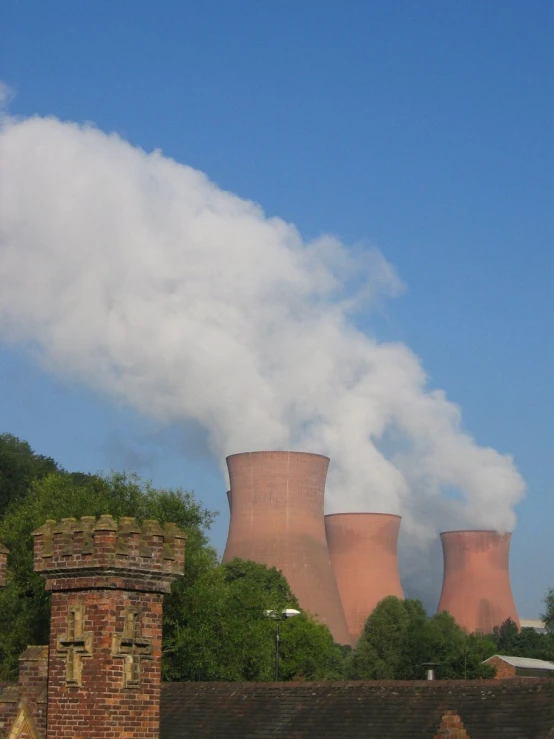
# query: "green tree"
24, 604
530, 643
506, 637
388, 648
19, 466
219, 630
526, 642
399, 640
214, 622
548, 615
458, 655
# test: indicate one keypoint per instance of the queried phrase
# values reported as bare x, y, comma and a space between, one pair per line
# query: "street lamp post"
278, 617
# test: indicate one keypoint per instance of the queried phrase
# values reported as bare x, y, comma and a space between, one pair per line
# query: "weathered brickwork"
451, 727
3, 564
9, 702
33, 675
503, 669
107, 581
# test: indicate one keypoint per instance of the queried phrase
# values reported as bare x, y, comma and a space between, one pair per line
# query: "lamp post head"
284, 615
290, 613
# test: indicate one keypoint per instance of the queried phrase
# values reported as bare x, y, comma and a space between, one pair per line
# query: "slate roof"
526, 662
490, 709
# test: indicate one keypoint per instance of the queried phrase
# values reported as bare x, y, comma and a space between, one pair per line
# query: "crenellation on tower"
84, 552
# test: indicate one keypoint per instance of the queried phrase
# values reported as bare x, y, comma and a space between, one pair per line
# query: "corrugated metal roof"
525, 662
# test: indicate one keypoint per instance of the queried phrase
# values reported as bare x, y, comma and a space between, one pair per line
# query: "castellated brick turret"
3, 564
107, 581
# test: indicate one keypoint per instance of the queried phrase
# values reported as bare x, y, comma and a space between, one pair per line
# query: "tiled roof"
489, 709
527, 662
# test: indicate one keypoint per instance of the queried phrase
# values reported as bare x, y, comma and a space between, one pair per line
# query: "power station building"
476, 586
341, 565
276, 503
364, 555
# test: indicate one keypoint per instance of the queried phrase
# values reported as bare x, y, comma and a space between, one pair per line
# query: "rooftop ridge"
299, 685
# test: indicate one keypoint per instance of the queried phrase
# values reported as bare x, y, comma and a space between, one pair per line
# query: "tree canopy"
215, 627
19, 466
524, 642
548, 615
399, 640
214, 622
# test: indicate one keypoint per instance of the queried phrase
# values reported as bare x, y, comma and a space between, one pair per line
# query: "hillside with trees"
215, 626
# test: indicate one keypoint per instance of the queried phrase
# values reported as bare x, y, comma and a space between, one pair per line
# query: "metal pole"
277, 652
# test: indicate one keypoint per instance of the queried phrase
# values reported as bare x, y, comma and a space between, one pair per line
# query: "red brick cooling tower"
476, 586
277, 520
363, 549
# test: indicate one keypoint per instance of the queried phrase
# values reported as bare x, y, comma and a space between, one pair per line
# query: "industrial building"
276, 503
341, 565
476, 586
364, 554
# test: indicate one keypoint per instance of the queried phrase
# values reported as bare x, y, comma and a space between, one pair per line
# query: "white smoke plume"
141, 278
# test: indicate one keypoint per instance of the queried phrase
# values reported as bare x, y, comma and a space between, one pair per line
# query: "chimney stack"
277, 520
363, 548
107, 581
476, 587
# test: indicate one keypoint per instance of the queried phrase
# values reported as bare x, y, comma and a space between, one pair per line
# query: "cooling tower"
476, 586
363, 549
277, 519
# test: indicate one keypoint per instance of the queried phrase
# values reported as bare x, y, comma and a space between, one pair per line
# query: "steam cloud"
141, 278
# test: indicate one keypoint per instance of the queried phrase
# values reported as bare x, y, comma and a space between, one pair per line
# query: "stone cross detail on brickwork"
132, 646
74, 644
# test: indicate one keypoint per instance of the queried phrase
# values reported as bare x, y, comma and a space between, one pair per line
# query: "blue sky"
421, 128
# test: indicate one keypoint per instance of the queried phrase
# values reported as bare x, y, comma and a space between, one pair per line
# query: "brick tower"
3, 564
107, 581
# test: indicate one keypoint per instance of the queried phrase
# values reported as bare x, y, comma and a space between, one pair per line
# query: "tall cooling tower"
363, 548
277, 520
476, 586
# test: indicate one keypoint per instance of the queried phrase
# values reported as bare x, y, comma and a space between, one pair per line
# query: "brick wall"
503, 669
9, 701
107, 581
33, 674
